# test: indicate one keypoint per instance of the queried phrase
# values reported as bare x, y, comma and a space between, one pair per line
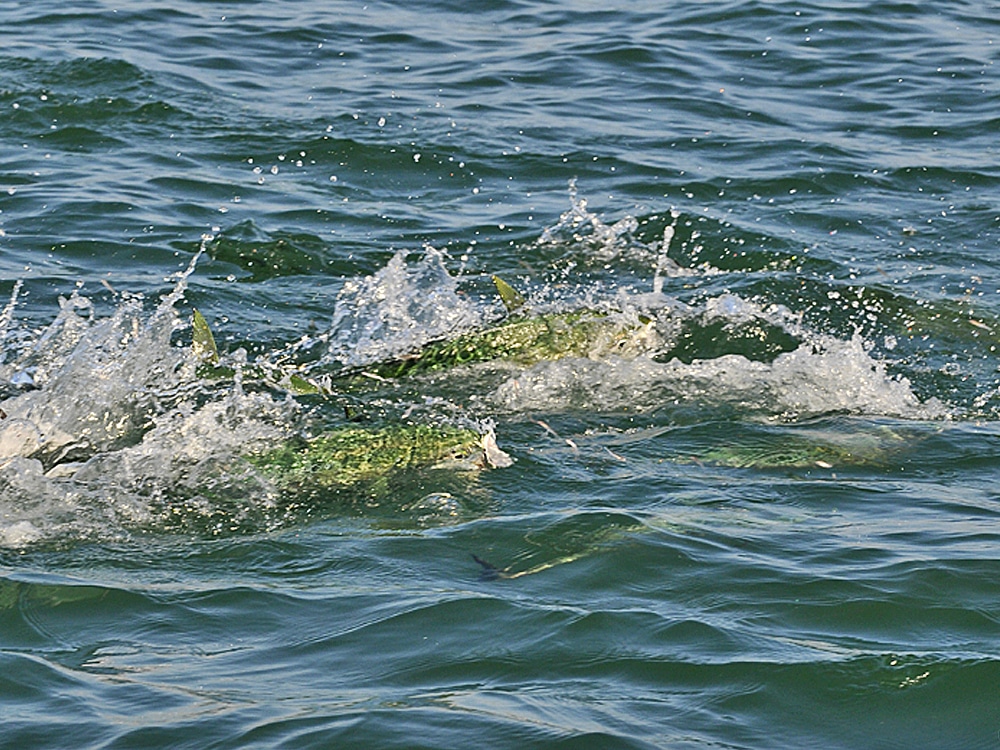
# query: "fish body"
526, 340
353, 458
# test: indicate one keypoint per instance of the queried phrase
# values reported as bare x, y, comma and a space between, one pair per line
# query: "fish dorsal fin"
202, 341
512, 299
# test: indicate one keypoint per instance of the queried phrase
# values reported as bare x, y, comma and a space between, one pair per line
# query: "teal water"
774, 523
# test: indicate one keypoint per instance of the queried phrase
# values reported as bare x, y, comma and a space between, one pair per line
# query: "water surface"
775, 525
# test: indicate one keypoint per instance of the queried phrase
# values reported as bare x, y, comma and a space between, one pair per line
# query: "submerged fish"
795, 456
824, 449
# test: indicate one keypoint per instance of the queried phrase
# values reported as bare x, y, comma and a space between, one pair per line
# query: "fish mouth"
486, 455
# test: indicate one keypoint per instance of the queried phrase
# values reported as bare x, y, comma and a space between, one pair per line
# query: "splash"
164, 443
746, 353
578, 226
398, 309
588, 242
110, 420
120, 363
156, 447
823, 376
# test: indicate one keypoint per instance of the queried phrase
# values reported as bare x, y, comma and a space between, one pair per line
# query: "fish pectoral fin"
490, 571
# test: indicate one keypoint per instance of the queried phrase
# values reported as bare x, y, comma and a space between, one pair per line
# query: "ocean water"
766, 516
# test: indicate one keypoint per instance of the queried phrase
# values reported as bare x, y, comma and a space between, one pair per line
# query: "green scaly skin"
363, 458
525, 340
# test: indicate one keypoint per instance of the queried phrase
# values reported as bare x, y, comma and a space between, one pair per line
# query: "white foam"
398, 309
816, 378
116, 420
19, 534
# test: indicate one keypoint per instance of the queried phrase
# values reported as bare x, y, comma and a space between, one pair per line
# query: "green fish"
814, 448
364, 460
521, 338
525, 339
